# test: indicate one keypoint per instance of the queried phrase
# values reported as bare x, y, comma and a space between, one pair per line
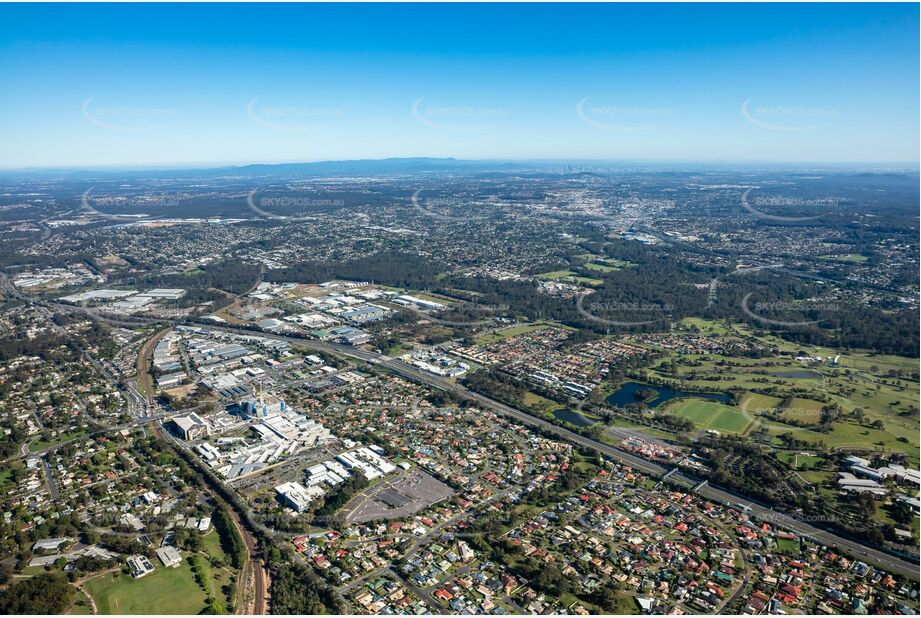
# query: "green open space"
803, 410
539, 404
756, 403
511, 331
604, 268
850, 258
555, 274
624, 424
81, 606
569, 276
711, 415
607, 265
211, 544
798, 461
42, 444
859, 379
788, 546
6, 475
586, 280
165, 591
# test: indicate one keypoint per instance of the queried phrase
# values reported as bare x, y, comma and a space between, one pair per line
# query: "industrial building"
140, 566
297, 497
190, 427
262, 407
169, 556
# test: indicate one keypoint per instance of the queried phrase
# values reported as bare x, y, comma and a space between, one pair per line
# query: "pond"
802, 374
627, 395
573, 417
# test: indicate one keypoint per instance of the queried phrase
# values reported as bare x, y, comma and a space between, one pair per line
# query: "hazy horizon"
688, 164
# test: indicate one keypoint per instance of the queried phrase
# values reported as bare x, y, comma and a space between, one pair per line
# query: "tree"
42, 594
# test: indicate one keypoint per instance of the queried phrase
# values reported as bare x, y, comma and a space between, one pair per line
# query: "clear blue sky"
87, 85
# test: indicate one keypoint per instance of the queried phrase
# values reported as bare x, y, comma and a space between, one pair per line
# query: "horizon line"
213, 165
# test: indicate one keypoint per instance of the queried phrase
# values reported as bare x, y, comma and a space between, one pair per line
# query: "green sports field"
803, 410
165, 591
711, 415
756, 403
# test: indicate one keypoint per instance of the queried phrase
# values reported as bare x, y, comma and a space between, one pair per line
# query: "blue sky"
138, 85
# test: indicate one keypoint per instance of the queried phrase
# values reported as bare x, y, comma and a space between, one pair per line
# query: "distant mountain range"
417, 165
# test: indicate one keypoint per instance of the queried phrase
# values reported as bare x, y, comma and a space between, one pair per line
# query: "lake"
803, 374
627, 395
573, 417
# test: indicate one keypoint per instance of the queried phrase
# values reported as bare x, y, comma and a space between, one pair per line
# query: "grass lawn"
39, 445
651, 431
505, 333
851, 258
211, 544
539, 404
604, 268
81, 606
788, 546
756, 403
570, 276
587, 281
609, 265
817, 477
711, 415
704, 326
846, 435
165, 591
804, 410
6, 475
861, 380
803, 462
556, 274
626, 605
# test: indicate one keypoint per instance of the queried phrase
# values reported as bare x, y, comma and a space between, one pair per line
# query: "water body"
570, 416
803, 374
627, 394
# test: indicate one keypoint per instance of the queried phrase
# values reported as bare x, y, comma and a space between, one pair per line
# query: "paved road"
756, 511
49, 478
108, 430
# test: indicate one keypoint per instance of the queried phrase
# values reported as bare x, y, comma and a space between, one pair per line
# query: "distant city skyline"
208, 85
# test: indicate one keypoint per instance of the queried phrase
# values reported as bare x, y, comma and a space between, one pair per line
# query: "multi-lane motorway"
756, 511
